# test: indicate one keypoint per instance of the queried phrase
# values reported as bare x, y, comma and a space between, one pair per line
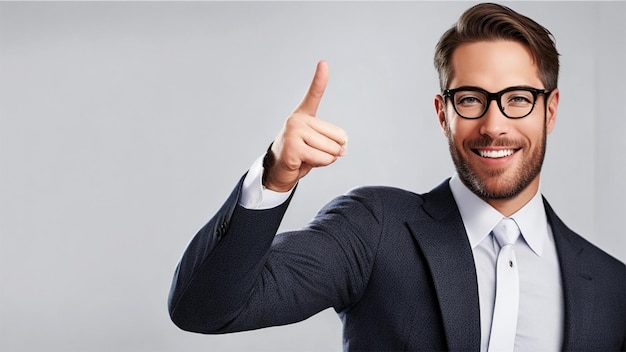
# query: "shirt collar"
480, 218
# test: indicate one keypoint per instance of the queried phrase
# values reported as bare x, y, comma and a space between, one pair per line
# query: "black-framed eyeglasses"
514, 102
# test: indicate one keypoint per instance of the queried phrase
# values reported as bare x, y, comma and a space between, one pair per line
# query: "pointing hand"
305, 141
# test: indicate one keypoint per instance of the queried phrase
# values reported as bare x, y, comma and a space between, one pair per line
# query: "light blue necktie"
504, 323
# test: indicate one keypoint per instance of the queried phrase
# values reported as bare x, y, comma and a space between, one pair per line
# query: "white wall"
123, 126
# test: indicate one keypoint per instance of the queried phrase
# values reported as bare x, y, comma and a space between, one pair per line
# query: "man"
412, 271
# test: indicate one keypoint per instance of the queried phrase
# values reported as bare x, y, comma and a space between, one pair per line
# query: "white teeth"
495, 153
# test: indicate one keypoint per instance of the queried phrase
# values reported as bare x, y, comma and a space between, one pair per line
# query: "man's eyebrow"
483, 89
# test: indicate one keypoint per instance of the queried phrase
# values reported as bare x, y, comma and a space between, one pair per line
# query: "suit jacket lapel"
441, 236
577, 283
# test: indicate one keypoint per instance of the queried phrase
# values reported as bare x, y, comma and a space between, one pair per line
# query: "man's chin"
499, 187
493, 186
499, 193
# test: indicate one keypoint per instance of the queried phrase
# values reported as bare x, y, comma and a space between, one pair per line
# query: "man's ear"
551, 110
440, 110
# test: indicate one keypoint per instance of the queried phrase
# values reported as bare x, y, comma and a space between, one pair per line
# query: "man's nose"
494, 124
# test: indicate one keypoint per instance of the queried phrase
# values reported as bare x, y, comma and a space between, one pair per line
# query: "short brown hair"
484, 22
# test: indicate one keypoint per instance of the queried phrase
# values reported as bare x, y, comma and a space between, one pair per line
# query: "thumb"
313, 96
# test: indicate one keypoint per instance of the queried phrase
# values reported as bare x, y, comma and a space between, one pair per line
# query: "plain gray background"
123, 127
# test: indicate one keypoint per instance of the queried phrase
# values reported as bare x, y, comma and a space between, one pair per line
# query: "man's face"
496, 157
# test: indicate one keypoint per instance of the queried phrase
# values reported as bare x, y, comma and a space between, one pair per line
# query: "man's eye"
468, 100
520, 99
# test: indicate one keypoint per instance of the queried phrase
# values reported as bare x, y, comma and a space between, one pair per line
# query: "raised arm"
236, 275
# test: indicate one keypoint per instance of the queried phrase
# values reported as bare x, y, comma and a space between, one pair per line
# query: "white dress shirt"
254, 195
541, 307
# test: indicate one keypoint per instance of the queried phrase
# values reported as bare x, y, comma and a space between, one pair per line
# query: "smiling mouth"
494, 154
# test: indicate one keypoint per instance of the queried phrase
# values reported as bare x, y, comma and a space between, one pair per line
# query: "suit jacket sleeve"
236, 274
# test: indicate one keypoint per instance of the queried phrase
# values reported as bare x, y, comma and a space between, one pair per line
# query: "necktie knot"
506, 232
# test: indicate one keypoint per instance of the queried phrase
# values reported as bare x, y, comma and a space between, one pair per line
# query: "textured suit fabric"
396, 266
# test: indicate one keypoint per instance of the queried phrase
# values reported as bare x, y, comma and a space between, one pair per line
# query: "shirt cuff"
254, 195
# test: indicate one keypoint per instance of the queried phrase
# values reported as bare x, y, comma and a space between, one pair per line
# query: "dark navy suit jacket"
396, 266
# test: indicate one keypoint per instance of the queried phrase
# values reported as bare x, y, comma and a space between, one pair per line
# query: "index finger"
313, 96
